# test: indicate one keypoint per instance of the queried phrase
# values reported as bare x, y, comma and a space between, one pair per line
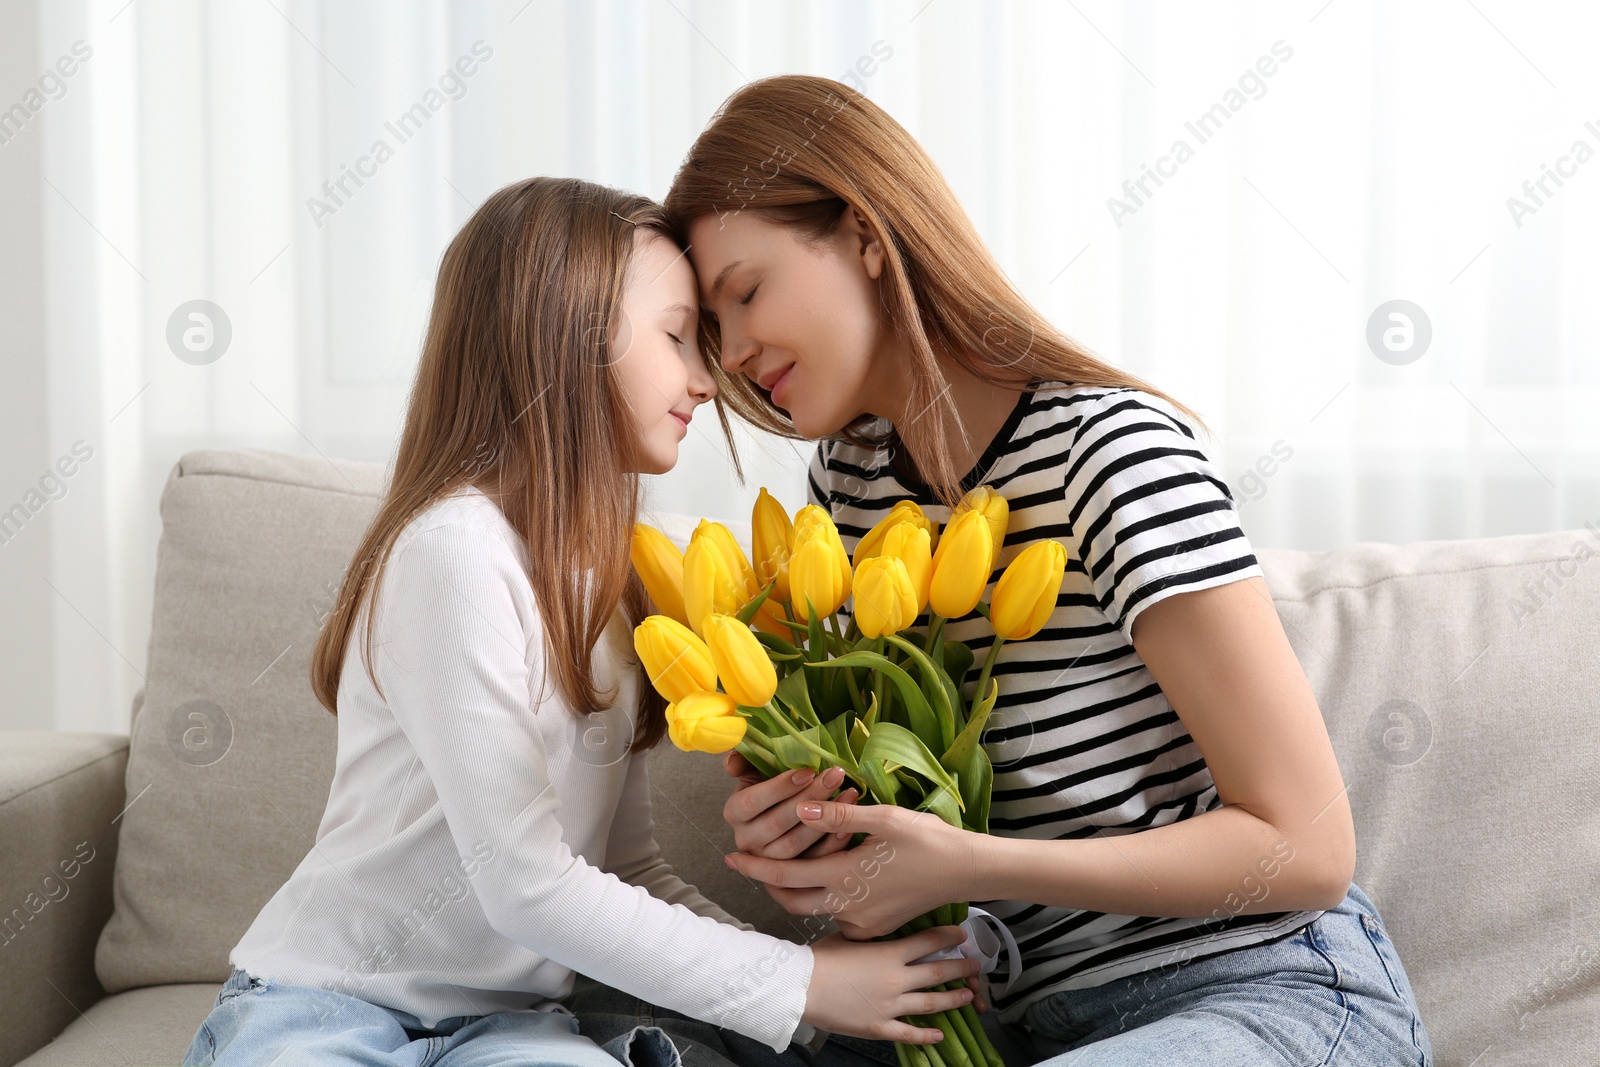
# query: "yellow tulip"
705, 722
660, 567
994, 508
716, 575
738, 563
820, 567
886, 601
1025, 596
962, 565
904, 511
909, 543
742, 663
677, 661
772, 534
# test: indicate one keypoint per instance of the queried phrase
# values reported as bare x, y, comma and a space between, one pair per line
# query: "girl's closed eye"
751, 295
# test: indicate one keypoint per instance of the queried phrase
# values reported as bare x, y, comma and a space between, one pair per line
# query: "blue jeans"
1331, 994
255, 1023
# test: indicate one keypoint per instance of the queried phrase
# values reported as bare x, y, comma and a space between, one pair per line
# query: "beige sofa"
1459, 681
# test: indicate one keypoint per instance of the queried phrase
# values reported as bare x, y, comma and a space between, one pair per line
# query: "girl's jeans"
257, 1023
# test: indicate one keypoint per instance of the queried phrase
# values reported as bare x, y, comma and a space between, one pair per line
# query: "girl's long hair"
800, 150
514, 394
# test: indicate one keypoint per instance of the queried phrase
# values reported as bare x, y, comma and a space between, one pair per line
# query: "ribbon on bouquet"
987, 937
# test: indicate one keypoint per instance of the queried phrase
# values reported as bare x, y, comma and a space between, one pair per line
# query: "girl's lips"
680, 420
783, 380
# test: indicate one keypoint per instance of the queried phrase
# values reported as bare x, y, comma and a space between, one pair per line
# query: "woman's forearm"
1224, 862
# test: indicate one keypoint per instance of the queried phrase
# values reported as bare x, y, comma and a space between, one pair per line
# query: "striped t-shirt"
1083, 740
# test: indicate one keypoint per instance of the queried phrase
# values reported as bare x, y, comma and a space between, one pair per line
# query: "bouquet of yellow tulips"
875, 698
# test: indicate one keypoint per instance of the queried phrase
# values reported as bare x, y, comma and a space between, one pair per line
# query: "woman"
1171, 846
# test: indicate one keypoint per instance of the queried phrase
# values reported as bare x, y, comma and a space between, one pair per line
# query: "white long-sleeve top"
480, 843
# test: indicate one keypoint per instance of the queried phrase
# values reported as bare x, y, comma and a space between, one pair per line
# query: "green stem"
849, 672
983, 679
934, 629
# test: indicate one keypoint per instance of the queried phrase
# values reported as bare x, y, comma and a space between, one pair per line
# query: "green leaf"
748, 612
957, 662
795, 753
859, 732
777, 646
970, 763
944, 803
794, 692
894, 743
837, 728
880, 783
941, 692
924, 722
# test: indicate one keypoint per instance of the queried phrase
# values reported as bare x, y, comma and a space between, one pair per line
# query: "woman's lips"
782, 381
681, 420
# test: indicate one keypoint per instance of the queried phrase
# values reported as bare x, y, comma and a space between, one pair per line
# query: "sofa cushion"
153, 1025
230, 755
1459, 682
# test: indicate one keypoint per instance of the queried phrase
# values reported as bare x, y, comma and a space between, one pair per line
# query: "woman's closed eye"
675, 340
750, 295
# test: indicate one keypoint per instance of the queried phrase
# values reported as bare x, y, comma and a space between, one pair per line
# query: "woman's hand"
762, 812
910, 863
862, 987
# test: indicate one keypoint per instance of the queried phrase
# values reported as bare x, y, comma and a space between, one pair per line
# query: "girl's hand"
910, 863
762, 812
861, 987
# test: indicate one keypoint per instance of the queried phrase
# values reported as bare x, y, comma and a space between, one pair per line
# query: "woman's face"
658, 362
801, 320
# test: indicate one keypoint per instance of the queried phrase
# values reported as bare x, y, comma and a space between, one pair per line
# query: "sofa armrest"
60, 797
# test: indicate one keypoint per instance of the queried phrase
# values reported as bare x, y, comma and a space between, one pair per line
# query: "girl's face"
659, 366
799, 319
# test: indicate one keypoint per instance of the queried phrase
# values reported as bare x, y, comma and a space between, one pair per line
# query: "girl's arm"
454, 623
634, 855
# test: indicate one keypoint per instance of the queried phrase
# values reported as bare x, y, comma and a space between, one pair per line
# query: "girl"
488, 829
1171, 844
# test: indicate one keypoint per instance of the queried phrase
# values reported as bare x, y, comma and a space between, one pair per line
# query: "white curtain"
1316, 161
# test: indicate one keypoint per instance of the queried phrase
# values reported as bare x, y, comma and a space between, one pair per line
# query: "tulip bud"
676, 660
1025, 596
962, 565
716, 575
660, 567
904, 511
820, 567
705, 722
886, 601
909, 543
994, 508
772, 534
742, 663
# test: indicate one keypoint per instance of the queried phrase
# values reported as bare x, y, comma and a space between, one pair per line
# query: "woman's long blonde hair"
801, 151
514, 393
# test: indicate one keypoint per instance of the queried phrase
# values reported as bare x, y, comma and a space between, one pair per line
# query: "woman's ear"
864, 242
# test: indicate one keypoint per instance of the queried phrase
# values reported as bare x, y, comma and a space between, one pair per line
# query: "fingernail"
729, 861
841, 835
811, 810
848, 795
804, 775
833, 776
